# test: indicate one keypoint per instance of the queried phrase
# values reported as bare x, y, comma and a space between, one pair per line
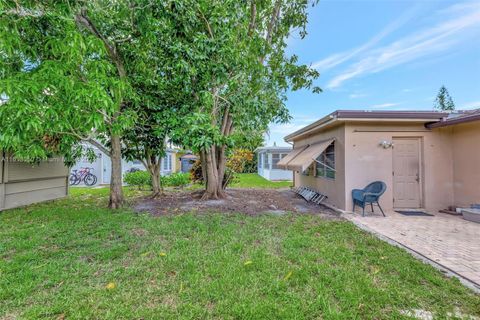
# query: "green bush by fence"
142, 179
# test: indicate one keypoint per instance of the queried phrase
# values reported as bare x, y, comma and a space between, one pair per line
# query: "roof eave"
454, 121
313, 126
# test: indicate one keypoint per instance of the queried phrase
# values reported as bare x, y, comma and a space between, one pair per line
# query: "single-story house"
25, 183
102, 166
428, 160
268, 158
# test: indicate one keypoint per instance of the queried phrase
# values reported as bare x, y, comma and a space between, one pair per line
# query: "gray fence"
23, 183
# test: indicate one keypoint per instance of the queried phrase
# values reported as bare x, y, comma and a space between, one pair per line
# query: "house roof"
189, 156
273, 149
366, 115
458, 117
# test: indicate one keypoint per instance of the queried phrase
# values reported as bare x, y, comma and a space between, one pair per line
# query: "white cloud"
384, 105
342, 57
426, 42
298, 122
357, 95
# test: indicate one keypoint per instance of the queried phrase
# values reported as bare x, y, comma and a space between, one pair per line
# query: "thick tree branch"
272, 25
273, 21
226, 115
206, 23
253, 17
100, 146
83, 20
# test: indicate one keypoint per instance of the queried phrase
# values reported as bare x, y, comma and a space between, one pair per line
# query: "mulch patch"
247, 201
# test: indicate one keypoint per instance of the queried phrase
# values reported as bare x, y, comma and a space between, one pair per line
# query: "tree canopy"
128, 74
443, 101
243, 75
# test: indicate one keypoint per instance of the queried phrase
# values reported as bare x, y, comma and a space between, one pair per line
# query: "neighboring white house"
268, 158
101, 167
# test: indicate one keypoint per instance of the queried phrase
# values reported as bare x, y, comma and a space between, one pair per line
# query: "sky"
385, 55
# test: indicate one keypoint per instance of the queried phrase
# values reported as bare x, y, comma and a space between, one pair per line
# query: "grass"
74, 259
253, 180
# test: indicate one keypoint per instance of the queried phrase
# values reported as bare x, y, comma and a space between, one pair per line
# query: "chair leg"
371, 205
381, 209
363, 211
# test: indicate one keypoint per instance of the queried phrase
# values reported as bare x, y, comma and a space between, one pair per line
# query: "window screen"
325, 164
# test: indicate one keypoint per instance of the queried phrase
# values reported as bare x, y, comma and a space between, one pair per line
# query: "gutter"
451, 122
374, 116
331, 118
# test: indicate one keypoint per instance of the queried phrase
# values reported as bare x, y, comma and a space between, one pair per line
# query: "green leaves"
146, 72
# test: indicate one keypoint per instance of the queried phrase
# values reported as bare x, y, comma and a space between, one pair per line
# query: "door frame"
421, 170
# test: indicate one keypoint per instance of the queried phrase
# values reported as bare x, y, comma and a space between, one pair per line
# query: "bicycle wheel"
79, 179
90, 180
73, 179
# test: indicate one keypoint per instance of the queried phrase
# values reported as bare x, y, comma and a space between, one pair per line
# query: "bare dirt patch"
247, 201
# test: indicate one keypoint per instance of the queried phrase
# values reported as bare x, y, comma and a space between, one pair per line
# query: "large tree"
443, 101
243, 76
76, 71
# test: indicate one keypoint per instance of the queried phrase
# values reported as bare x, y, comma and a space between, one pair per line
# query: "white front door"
406, 173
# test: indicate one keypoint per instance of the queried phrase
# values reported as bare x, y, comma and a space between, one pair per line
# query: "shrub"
176, 180
239, 160
138, 179
142, 179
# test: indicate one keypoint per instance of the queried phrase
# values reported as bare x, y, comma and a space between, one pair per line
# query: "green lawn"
253, 180
73, 259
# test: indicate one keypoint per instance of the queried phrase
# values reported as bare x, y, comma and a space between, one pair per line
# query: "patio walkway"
448, 240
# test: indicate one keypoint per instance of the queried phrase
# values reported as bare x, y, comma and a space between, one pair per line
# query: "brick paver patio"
448, 240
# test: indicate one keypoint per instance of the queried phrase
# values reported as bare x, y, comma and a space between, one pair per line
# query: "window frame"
274, 164
327, 159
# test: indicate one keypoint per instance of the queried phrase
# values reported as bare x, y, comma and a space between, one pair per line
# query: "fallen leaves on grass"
248, 262
288, 275
110, 286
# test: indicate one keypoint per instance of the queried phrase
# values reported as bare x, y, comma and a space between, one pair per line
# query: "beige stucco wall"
466, 164
367, 161
334, 189
22, 184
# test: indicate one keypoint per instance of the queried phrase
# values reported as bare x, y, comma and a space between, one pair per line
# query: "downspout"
293, 172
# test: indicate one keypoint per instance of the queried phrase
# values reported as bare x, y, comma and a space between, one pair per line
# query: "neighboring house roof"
458, 117
189, 156
273, 149
365, 115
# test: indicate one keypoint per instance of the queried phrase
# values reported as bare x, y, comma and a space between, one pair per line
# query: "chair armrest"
370, 194
373, 195
358, 194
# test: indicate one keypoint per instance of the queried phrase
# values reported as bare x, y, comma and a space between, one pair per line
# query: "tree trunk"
222, 165
116, 191
203, 162
215, 171
154, 170
211, 184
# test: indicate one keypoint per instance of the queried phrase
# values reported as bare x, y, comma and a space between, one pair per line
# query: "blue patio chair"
369, 195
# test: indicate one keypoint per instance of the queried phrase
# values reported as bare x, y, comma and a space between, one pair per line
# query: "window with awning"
300, 159
289, 157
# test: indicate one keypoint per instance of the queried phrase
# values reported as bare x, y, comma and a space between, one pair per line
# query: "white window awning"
303, 159
289, 157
